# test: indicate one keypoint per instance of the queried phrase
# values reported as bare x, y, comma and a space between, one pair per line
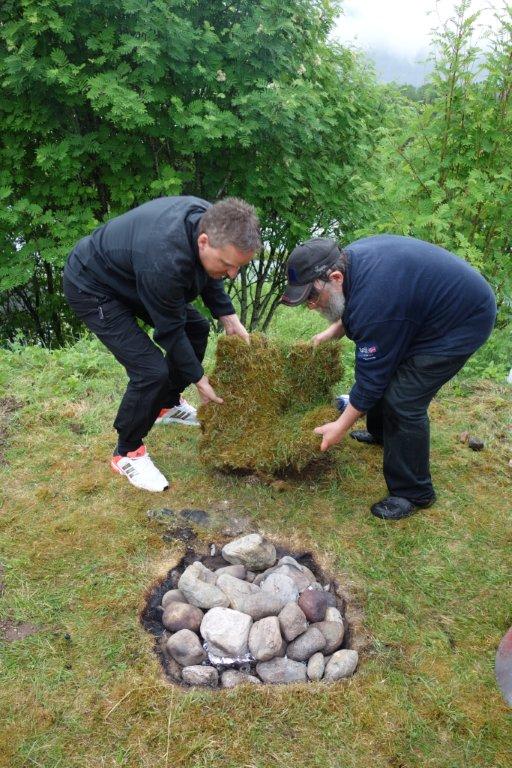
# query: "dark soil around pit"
151, 614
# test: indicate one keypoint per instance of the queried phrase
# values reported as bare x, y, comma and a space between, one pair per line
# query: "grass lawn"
79, 552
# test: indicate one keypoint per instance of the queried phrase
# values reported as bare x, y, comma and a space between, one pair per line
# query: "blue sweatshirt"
406, 297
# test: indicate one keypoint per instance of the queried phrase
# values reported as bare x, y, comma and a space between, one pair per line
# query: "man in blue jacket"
416, 313
149, 264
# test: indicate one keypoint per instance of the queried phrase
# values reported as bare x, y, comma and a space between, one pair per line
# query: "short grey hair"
340, 263
232, 222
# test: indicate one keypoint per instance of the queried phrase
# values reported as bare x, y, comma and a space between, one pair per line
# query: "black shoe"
397, 507
362, 436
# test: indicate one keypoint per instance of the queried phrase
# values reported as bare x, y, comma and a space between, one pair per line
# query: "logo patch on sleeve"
367, 351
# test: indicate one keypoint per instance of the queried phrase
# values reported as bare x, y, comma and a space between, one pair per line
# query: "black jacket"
148, 259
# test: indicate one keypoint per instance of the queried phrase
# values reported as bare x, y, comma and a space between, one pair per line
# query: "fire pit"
249, 614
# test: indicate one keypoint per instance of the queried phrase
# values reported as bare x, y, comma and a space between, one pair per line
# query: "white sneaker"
184, 413
140, 470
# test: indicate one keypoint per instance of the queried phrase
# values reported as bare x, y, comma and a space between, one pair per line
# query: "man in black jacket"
416, 313
150, 263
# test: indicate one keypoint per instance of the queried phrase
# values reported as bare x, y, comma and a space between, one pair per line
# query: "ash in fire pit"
250, 615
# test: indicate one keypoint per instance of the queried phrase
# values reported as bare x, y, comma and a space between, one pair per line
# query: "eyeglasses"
314, 294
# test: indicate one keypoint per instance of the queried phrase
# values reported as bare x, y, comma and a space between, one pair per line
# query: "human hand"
233, 327
207, 392
331, 434
334, 331
321, 337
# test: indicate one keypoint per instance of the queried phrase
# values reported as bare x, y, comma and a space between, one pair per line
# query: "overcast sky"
399, 26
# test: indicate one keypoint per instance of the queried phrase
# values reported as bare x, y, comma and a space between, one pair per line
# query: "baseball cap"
308, 262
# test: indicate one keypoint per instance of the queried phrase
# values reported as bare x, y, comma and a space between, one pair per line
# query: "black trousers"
400, 422
153, 382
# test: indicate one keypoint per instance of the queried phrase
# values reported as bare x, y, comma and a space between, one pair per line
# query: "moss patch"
274, 395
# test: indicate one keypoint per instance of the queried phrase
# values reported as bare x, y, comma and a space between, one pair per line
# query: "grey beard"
335, 307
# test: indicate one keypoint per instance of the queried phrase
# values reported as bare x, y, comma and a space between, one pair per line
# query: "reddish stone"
314, 603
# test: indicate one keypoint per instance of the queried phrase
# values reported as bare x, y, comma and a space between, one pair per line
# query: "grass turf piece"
274, 395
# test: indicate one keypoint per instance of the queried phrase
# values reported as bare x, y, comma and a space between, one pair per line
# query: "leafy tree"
442, 171
420, 93
106, 105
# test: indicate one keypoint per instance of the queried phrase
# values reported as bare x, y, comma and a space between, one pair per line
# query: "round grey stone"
304, 646
185, 648
231, 678
292, 621
199, 571
333, 614
252, 550
265, 639
182, 616
238, 571
301, 579
197, 583
341, 664
173, 596
301, 575
316, 666
333, 631
227, 632
280, 585
196, 674
281, 670
288, 560
233, 587
258, 605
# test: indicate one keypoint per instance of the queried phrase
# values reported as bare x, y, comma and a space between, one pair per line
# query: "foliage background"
442, 169
106, 106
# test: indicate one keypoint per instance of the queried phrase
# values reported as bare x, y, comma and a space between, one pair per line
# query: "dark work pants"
400, 421
153, 382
